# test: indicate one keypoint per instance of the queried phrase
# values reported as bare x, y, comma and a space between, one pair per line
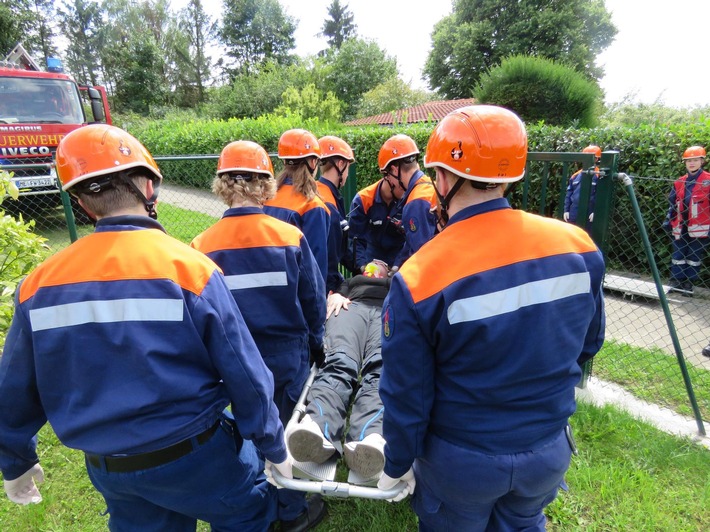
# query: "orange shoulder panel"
123, 255
424, 191
368, 194
251, 231
480, 243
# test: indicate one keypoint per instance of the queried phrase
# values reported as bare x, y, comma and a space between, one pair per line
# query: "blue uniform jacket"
337, 238
310, 216
374, 233
574, 189
484, 331
273, 276
128, 341
415, 212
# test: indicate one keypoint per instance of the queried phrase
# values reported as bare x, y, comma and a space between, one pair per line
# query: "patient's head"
376, 268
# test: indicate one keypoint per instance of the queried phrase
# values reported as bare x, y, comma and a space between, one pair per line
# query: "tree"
27, 22
539, 89
200, 30
310, 103
139, 82
349, 72
391, 95
256, 31
480, 33
81, 23
340, 26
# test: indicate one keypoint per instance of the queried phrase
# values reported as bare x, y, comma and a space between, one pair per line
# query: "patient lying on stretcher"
352, 349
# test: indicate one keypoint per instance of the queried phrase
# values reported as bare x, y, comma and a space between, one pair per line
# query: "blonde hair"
302, 179
260, 189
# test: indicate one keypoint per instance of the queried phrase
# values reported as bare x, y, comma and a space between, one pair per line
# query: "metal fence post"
628, 185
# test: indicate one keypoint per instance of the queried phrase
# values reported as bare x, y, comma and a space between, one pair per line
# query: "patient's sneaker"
307, 443
366, 457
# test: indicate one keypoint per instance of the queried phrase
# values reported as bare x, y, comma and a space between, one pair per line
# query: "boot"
307, 443
366, 457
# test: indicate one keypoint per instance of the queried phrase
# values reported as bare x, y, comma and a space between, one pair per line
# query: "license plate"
35, 182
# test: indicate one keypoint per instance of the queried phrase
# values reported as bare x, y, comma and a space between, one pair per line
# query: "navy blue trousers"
214, 483
467, 491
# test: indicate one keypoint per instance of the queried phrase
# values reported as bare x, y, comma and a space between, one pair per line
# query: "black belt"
138, 462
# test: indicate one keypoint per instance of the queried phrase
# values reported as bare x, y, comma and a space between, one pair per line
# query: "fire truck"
37, 109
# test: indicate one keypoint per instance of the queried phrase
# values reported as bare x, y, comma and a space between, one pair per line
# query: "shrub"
20, 251
541, 90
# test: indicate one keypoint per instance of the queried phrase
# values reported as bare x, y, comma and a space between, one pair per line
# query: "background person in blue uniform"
374, 232
129, 343
688, 221
270, 271
415, 194
353, 361
574, 188
297, 201
335, 159
484, 331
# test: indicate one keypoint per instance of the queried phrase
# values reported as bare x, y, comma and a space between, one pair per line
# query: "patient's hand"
336, 302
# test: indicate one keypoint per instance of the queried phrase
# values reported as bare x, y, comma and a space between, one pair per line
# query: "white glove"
284, 468
591, 217
565, 216
23, 489
386, 482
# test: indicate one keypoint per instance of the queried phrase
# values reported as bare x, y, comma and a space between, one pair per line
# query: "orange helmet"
331, 146
480, 142
298, 144
694, 152
396, 148
596, 150
244, 156
100, 149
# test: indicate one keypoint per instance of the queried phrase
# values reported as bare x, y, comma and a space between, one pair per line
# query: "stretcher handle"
342, 490
300, 407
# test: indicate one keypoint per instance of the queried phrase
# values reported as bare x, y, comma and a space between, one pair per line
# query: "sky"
659, 54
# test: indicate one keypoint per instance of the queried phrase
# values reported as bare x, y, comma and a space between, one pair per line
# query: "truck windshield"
39, 101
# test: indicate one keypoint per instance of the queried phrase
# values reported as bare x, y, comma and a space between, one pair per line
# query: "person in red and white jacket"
688, 220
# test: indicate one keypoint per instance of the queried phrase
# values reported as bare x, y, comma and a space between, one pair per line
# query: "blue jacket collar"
127, 223
473, 210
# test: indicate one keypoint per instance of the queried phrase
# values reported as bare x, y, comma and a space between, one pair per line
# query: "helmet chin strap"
148, 203
445, 201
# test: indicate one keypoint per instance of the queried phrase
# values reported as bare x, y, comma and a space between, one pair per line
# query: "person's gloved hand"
565, 216
667, 226
23, 489
591, 217
318, 356
284, 468
386, 482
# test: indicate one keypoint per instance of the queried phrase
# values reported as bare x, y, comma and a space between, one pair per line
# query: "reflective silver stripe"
512, 299
255, 280
106, 311
696, 263
677, 262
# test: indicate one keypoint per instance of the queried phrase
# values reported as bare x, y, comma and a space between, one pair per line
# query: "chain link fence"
651, 352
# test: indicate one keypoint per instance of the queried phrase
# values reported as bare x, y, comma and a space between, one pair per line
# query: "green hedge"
651, 152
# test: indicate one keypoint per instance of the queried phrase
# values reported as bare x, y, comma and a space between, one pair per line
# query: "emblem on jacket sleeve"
388, 323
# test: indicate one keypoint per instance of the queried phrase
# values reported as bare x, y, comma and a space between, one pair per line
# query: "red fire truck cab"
37, 109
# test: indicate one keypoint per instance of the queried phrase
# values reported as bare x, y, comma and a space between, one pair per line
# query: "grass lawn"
654, 376
180, 223
628, 476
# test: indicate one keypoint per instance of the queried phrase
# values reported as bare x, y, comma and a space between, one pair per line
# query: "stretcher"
320, 478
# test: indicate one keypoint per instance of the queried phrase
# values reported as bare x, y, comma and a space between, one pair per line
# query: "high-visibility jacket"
127, 342
695, 213
310, 216
337, 235
273, 276
415, 211
483, 333
374, 231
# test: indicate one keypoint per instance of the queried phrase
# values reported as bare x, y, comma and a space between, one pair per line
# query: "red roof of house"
433, 111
